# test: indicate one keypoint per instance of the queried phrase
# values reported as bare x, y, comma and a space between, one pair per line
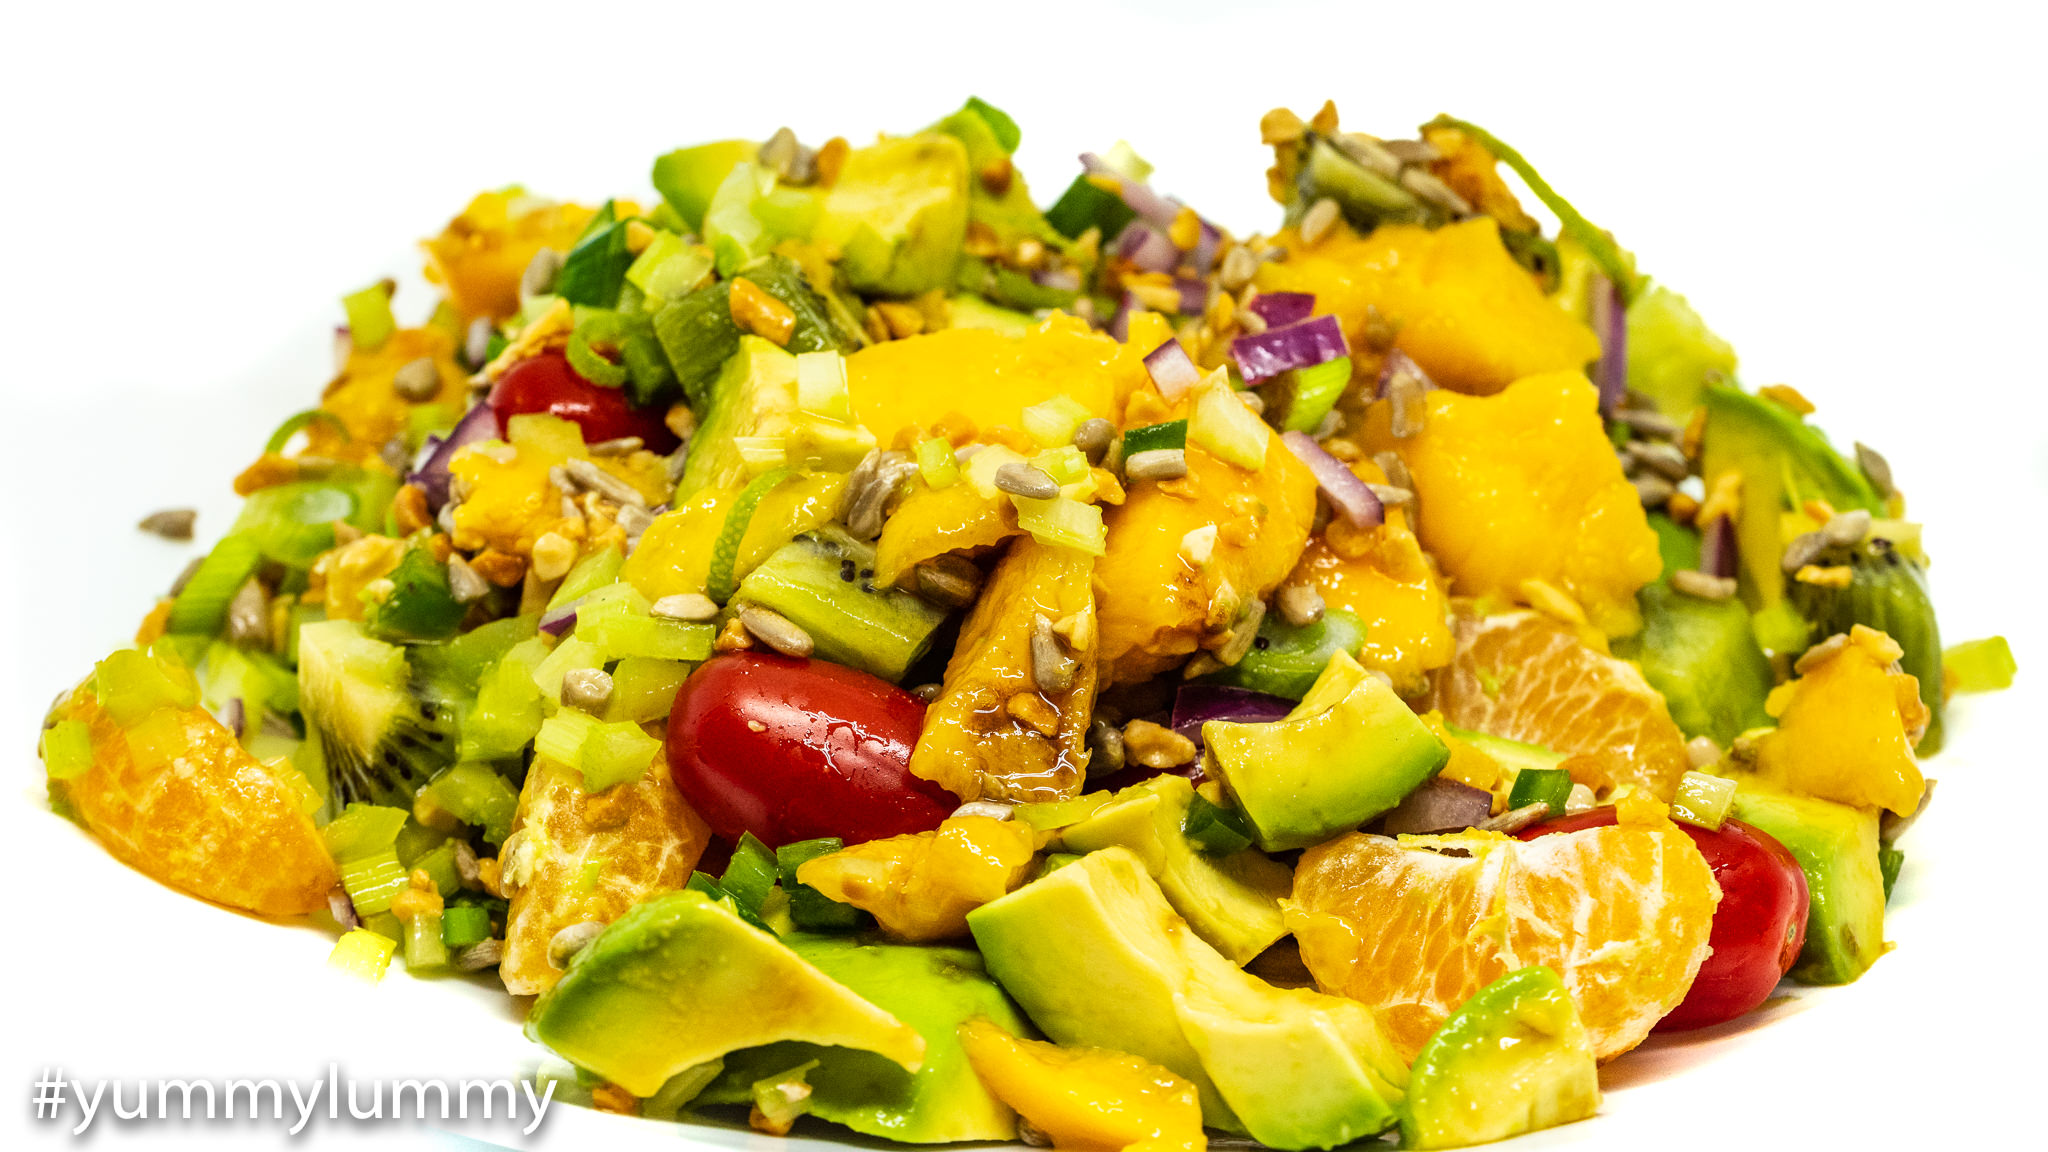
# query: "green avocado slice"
1512, 1059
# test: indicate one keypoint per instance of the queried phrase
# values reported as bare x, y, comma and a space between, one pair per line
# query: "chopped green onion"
935, 460
703, 883
1062, 523
1889, 861
424, 948
1597, 243
722, 581
752, 872
476, 794
298, 422
371, 881
1979, 665
821, 386
439, 865
131, 685
1316, 389
783, 1097
1226, 428
363, 954
67, 749
1702, 799
1154, 437
809, 908
1216, 830
294, 523
1551, 786
202, 605
1007, 134
370, 322
465, 924
1053, 423
597, 328
363, 830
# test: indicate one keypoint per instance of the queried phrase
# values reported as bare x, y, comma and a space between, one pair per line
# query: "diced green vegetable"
752, 872
1216, 830
67, 749
570, 654
1227, 429
421, 606
783, 1097
644, 689
1313, 391
593, 270
425, 951
1062, 523
936, 462
508, 704
439, 865
363, 830
371, 881
1085, 205
1549, 786
1052, 423
363, 954
592, 572
1156, 437
1702, 799
464, 924
201, 607
1979, 665
476, 794
370, 322
809, 908
131, 684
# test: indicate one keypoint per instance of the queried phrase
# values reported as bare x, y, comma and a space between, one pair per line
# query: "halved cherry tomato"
546, 383
1759, 926
798, 749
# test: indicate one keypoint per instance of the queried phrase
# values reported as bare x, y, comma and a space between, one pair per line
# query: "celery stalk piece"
562, 737
616, 754
130, 685
1702, 799
67, 749
572, 653
202, 605
1063, 523
465, 924
1053, 423
363, 954
362, 830
1979, 665
371, 881
1316, 389
424, 948
752, 872
475, 793
1226, 428
370, 322
597, 570
439, 865
936, 461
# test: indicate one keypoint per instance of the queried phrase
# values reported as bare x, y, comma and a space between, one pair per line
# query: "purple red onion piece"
1194, 295
1120, 324
559, 620
1197, 704
1718, 555
480, 423
1059, 279
1439, 805
1206, 246
1147, 248
1267, 354
1279, 309
1172, 369
1610, 323
234, 716
1349, 495
1138, 197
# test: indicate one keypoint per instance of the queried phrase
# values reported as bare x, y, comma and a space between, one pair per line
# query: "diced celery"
459, 665
424, 948
1979, 665
301, 786
644, 689
1053, 423
131, 684
464, 924
616, 754
256, 678
591, 872
1125, 161
594, 571
621, 635
1226, 428
648, 274
201, 606
439, 865
1060, 522
572, 653
371, 881
416, 840
935, 460
370, 322
752, 872
363, 954
386, 925
475, 793
363, 830
1316, 389
681, 1089
67, 749
508, 705
1065, 464
294, 523
562, 737
1702, 799
1049, 815
821, 385
1551, 786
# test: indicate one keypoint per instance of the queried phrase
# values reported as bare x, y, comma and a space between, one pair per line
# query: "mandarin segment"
1622, 913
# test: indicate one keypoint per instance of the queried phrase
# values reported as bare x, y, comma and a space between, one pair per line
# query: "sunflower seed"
1020, 479
1847, 529
1893, 825
1093, 438
1391, 495
171, 523
622, 446
540, 274
1300, 605
1404, 394
1242, 634
417, 381
693, 607
1250, 321
564, 945
779, 151
949, 581
465, 863
1105, 748
1702, 752
633, 521
1395, 468
927, 692
1701, 585
1435, 191
1239, 265
1515, 819
1412, 151
775, 630
1647, 423
476, 342
249, 615
463, 583
603, 483
1317, 221
1803, 550
1157, 464
1031, 1135
480, 955
1580, 800
1052, 670
1820, 653
1661, 457
1253, 401
993, 809
586, 688
1876, 468
1371, 153
1653, 491
870, 488
674, 463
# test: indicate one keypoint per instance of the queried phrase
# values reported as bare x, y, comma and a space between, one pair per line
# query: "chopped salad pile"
849, 642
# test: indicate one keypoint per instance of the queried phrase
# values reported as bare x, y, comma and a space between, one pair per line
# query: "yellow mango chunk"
1086, 1099
1847, 726
992, 733
343, 573
1475, 320
921, 887
481, 254
511, 503
1522, 491
1158, 598
934, 521
362, 397
674, 553
988, 378
1381, 576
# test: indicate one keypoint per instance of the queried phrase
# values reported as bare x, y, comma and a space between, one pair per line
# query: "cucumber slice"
827, 587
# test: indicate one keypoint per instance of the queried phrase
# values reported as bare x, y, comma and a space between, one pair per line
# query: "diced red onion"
1197, 704
1349, 495
1279, 309
1267, 354
1147, 248
342, 908
1439, 805
1172, 369
1610, 323
1138, 197
1194, 295
234, 716
1120, 324
477, 425
1206, 246
1718, 554
1059, 279
1398, 363
344, 343
560, 620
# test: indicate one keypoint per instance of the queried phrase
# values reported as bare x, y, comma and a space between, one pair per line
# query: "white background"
1850, 193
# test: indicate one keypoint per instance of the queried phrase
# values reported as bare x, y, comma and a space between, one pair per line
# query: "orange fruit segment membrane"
1525, 676
179, 799
1621, 913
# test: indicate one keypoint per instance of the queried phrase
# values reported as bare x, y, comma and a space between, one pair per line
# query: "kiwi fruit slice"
1887, 591
385, 731
825, 584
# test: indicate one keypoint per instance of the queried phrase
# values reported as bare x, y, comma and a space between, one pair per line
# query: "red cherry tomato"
1759, 926
797, 749
546, 383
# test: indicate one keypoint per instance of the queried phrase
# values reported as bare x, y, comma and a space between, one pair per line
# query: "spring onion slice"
299, 421
597, 328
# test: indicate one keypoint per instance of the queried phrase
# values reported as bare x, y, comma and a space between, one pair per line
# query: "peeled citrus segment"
1512, 1059
177, 798
1622, 913
1525, 676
